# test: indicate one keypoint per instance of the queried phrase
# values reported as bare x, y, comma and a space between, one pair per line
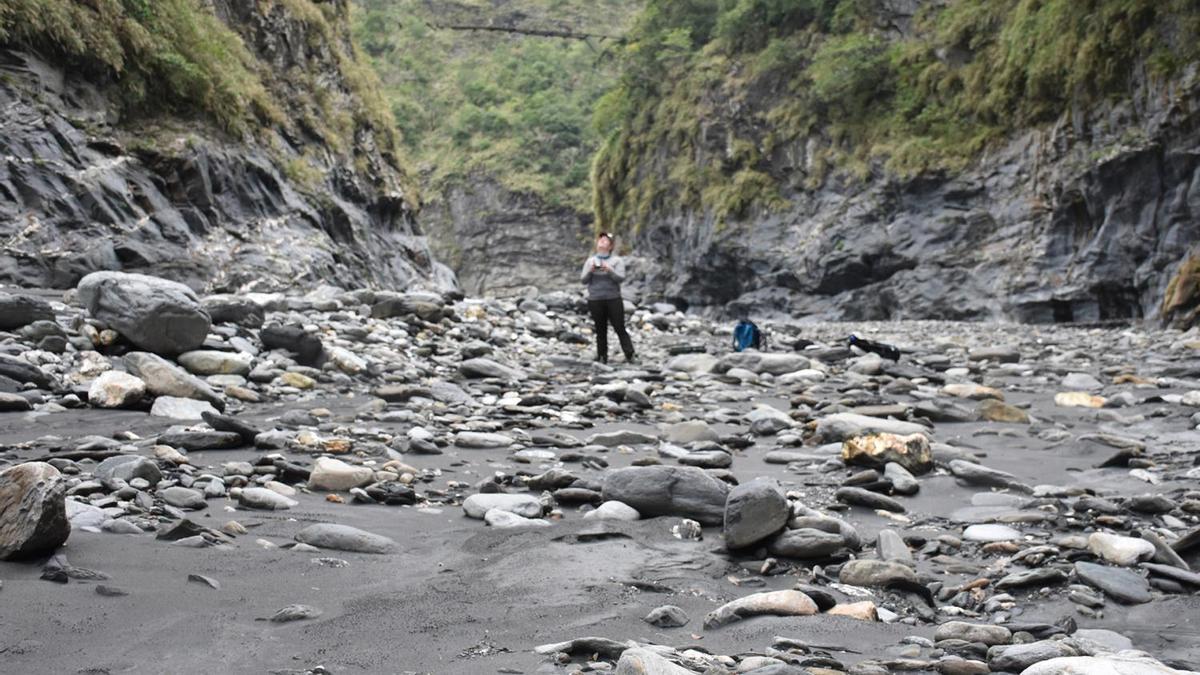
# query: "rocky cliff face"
1087, 217
1087, 220
499, 241
85, 187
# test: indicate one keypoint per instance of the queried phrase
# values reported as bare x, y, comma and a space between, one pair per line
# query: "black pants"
604, 314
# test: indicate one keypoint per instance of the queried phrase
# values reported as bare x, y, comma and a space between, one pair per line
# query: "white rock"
506, 519
116, 389
802, 376
1121, 663
213, 362
771, 416
614, 510
695, 364
742, 374
333, 475
281, 488
262, 498
642, 661
420, 434
867, 364
526, 506
345, 360
85, 515
990, 533
92, 364
764, 362
181, 408
479, 439
1127, 551
689, 432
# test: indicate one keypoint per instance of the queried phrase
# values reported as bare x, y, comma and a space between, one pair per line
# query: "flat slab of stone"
682, 491
344, 538
775, 603
763, 362
1109, 664
265, 499
1120, 584
612, 439
988, 634
202, 440
526, 506
480, 439
839, 427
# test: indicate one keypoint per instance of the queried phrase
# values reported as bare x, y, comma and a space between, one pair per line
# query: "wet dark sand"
463, 598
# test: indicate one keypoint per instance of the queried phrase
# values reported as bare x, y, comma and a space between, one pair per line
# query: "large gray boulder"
124, 468
33, 510
160, 316
753, 512
164, 378
23, 371
21, 310
669, 491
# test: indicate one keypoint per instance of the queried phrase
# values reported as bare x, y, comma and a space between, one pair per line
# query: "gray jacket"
603, 285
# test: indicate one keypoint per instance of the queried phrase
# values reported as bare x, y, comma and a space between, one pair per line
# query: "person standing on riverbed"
603, 273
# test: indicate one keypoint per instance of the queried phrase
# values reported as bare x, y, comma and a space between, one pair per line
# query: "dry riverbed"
454, 487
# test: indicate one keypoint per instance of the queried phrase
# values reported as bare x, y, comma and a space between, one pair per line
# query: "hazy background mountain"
499, 126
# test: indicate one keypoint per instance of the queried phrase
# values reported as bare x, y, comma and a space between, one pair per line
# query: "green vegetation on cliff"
159, 52
179, 57
713, 92
516, 108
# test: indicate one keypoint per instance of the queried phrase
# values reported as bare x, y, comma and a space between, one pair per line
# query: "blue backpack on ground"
746, 335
